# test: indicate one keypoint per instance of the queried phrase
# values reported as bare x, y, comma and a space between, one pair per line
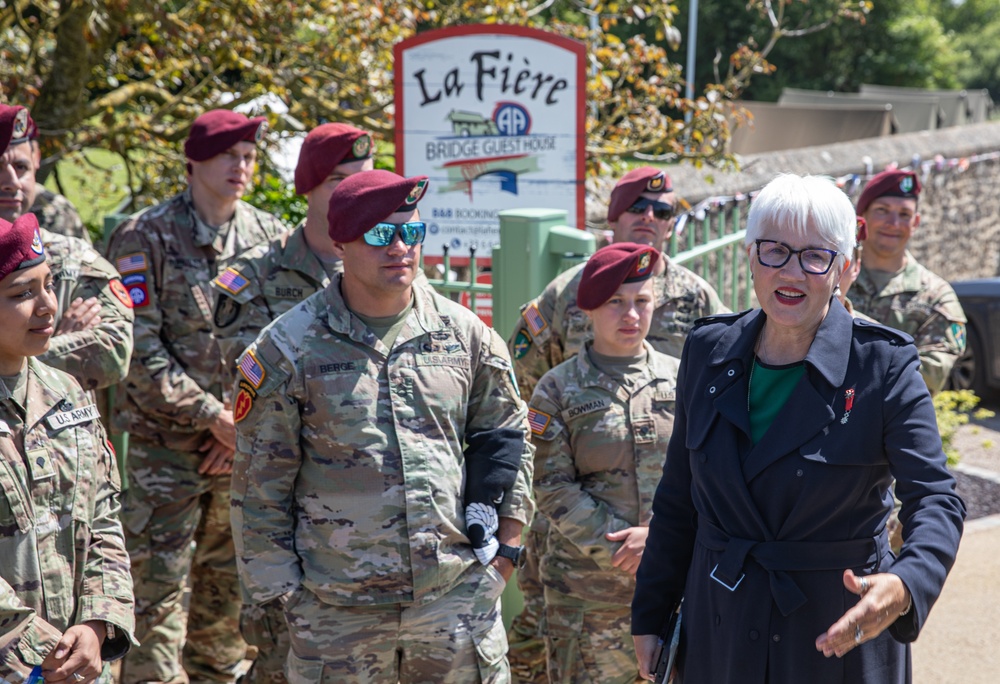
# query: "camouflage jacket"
58, 215
923, 305
349, 469
167, 258
264, 282
552, 328
62, 552
97, 357
599, 449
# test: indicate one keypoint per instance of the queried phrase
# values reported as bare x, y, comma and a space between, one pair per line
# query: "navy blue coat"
786, 517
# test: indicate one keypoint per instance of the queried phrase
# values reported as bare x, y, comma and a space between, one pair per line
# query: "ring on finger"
78, 677
864, 586
858, 634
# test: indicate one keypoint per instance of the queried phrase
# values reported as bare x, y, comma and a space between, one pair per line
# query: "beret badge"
36, 244
643, 264
261, 130
656, 183
20, 125
416, 193
906, 184
361, 149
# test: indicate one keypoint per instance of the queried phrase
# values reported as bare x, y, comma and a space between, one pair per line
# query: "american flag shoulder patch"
533, 317
232, 281
251, 369
538, 421
130, 263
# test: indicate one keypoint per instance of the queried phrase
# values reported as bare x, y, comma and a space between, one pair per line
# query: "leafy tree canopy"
130, 75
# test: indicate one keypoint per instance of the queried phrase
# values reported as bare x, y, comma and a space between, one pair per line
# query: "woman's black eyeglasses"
814, 260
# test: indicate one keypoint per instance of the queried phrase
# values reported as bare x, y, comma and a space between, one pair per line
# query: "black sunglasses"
661, 210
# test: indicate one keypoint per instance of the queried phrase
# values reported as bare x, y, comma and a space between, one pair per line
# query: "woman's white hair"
813, 207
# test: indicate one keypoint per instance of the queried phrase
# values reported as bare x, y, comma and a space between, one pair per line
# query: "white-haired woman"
770, 520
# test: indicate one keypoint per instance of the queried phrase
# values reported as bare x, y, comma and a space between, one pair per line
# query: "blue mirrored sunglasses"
382, 235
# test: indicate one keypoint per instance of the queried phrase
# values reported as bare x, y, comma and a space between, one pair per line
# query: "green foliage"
953, 410
272, 194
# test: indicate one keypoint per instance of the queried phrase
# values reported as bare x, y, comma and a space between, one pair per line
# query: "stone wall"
959, 232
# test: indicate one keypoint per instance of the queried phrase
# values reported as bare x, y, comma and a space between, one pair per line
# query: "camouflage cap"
14, 126
325, 148
20, 244
892, 183
217, 130
610, 268
632, 185
364, 199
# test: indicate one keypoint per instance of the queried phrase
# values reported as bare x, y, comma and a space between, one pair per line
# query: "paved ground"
960, 643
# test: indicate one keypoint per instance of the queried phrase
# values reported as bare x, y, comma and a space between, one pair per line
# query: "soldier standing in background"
272, 277
55, 213
65, 590
93, 321
174, 406
600, 423
265, 282
553, 328
365, 533
894, 289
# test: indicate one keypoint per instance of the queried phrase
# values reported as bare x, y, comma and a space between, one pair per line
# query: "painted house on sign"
494, 116
471, 123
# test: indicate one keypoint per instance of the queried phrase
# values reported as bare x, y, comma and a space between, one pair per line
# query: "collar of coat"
828, 354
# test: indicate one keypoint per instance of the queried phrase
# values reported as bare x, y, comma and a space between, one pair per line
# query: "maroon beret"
889, 184
632, 185
20, 244
325, 148
13, 126
609, 268
364, 199
217, 130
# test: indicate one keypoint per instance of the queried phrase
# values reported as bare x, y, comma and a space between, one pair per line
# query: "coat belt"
779, 558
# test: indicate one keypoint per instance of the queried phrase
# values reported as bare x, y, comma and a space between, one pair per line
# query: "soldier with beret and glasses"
93, 322
553, 328
600, 423
175, 406
382, 474
894, 289
65, 589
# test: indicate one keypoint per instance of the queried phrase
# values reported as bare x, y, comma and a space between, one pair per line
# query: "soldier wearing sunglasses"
553, 328
374, 419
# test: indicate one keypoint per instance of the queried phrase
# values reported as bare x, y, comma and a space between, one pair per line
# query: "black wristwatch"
515, 554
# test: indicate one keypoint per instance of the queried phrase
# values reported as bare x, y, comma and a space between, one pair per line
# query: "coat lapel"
810, 408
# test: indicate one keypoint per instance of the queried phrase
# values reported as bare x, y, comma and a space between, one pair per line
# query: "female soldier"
770, 520
65, 588
600, 425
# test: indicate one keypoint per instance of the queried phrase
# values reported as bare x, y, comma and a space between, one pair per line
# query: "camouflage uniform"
173, 393
97, 357
265, 282
62, 552
58, 215
365, 523
922, 304
550, 330
599, 446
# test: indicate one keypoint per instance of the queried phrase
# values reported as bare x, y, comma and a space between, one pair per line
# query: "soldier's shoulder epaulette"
727, 318
882, 331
